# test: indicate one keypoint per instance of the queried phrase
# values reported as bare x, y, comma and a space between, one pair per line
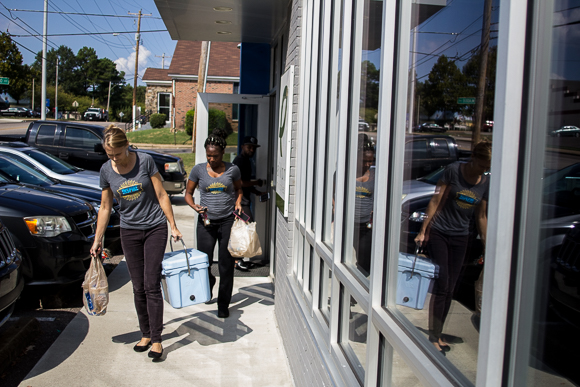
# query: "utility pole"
56, 93
43, 87
137, 38
200, 88
162, 59
32, 96
108, 100
483, 52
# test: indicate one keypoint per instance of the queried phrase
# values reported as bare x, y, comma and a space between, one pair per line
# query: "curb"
15, 339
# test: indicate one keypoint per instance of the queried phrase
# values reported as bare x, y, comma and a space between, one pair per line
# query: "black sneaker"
241, 265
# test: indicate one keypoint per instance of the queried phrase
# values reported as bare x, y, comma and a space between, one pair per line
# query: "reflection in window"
444, 198
80, 138
325, 289
395, 372
361, 191
45, 134
555, 323
353, 335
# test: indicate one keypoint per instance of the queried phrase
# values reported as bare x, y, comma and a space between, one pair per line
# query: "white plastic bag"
96, 289
244, 241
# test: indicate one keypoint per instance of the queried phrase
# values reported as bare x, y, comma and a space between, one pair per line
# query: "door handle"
63, 155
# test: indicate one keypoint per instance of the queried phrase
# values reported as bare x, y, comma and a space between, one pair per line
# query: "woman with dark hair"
364, 199
461, 193
134, 180
220, 189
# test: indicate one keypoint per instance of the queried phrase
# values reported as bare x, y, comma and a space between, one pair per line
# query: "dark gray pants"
144, 251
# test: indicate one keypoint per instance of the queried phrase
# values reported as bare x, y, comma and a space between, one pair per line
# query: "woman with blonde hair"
461, 193
133, 179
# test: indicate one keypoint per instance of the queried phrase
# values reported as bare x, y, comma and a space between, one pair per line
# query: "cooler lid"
175, 260
423, 263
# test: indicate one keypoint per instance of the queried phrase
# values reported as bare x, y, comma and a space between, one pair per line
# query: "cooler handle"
417, 249
185, 251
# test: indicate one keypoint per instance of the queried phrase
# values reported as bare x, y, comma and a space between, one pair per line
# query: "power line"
90, 33
80, 13
12, 19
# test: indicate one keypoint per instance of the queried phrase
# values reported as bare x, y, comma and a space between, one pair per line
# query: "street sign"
75, 104
466, 100
47, 102
4, 81
121, 114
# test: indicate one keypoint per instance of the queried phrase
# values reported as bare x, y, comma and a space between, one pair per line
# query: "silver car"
50, 165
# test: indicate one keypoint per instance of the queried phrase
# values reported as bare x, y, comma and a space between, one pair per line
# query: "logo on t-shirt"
466, 199
362, 192
130, 190
216, 188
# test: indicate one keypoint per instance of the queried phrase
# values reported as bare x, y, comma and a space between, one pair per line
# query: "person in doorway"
461, 194
133, 179
244, 163
220, 188
364, 199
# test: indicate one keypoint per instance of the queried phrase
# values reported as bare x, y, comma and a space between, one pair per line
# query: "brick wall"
307, 366
186, 94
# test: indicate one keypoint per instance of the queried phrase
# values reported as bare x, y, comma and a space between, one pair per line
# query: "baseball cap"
251, 140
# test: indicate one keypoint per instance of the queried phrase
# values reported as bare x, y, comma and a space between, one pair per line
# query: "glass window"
332, 126
439, 284
164, 106
360, 184
45, 134
394, 371
80, 138
325, 289
553, 242
353, 334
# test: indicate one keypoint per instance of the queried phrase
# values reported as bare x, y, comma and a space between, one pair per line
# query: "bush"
217, 119
157, 120
189, 122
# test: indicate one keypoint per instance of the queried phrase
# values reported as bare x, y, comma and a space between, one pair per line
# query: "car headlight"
172, 167
47, 226
404, 196
418, 216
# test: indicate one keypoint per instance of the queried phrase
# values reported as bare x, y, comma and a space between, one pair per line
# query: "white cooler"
185, 282
415, 279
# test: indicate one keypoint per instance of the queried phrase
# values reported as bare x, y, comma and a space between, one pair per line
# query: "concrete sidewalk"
200, 349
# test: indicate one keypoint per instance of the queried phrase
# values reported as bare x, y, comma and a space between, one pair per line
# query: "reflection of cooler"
185, 282
415, 278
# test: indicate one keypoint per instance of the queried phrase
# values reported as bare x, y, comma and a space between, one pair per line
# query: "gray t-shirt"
140, 209
461, 201
364, 198
216, 193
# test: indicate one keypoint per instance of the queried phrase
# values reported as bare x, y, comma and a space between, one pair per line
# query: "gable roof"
152, 74
224, 59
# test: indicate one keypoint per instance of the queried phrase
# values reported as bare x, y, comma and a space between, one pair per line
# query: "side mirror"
98, 148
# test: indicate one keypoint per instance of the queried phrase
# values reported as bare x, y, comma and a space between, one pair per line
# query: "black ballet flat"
141, 348
223, 313
445, 348
155, 355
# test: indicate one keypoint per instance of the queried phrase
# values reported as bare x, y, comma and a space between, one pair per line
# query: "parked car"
11, 279
430, 127
50, 165
566, 131
426, 153
54, 232
17, 172
363, 126
81, 145
96, 114
17, 112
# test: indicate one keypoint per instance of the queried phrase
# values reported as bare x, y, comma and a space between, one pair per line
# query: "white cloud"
128, 64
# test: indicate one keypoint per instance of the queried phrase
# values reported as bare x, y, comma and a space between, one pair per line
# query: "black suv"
11, 280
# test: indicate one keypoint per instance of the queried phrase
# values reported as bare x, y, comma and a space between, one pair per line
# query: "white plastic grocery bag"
244, 241
96, 289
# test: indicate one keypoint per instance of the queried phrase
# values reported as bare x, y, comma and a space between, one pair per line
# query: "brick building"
173, 91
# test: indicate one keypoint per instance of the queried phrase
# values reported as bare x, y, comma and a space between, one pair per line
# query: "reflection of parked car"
49, 165
53, 231
17, 112
20, 173
426, 153
11, 280
565, 279
426, 127
96, 114
363, 126
566, 131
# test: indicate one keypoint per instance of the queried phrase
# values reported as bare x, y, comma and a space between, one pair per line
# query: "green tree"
11, 67
370, 78
444, 85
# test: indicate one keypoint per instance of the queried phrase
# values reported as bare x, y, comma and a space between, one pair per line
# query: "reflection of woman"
220, 188
133, 179
461, 193
364, 197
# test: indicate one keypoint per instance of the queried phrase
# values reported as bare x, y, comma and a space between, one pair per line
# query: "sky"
120, 49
